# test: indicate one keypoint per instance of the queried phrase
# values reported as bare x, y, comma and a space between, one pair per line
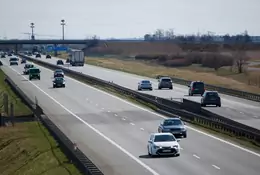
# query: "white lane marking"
241, 112
159, 115
108, 111
115, 114
132, 124
142, 129
215, 166
194, 155
87, 99
103, 108
255, 116
123, 118
181, 148
94, 129
96, 104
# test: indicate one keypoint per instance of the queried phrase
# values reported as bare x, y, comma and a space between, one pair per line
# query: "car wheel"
170, 87
151, 89
219, 105
53, 86
185, 135
177, 155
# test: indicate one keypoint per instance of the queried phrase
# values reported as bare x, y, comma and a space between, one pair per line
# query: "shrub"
148, 57
177, 63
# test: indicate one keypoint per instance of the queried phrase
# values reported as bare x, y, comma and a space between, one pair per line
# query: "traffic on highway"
124, 138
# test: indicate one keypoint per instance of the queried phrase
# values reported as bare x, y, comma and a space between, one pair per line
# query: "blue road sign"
52, 48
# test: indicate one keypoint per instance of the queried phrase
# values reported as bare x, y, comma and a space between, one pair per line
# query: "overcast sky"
127, 18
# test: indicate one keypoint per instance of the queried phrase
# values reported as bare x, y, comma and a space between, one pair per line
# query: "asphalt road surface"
113, 133
241, 110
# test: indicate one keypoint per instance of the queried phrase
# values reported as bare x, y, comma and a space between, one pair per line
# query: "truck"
77, 58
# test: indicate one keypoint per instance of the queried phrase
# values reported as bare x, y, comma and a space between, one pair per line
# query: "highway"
241, 110
113, 133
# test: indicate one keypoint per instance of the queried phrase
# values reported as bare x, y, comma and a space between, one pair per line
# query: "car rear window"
212, 94
164, 138
198, 85
166, 80
146, 82
34, 71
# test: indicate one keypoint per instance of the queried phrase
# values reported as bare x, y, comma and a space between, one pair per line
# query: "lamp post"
62, 24
32, 27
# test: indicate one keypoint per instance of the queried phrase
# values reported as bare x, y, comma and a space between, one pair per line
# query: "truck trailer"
77, 58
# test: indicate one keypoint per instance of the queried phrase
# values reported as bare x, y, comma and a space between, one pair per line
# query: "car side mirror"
178, 140
149, 141
184, 123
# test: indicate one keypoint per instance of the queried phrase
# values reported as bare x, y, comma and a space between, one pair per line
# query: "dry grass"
223, 77
29, 149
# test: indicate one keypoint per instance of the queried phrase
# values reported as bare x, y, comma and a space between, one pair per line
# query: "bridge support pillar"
55, 51
16, 49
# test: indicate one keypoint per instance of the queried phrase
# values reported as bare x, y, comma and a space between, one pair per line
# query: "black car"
174, 126
23, 61
58, 73
196, 87
210, 98
38, 55
2, 56
48, 56
10, 55
60, 62
58, 82
165, 82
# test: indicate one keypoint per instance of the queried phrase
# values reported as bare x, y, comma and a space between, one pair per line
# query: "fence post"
12, 113
5, 102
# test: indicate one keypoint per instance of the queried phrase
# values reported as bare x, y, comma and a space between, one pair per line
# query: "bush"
177, 63
215, 60
195, 57
149, 57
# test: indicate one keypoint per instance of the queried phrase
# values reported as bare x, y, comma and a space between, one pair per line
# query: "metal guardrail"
227, 91
212, 121
85, 165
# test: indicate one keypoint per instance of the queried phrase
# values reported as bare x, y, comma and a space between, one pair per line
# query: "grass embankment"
223, 77
20, 108
28, 148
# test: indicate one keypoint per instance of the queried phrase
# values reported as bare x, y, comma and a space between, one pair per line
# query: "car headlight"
183, 129
175, 146
156, 147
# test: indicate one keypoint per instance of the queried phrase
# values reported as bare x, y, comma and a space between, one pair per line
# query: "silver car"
145, 84
174, 126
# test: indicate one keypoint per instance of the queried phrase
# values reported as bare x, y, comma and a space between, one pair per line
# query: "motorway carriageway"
113, 133
241, 110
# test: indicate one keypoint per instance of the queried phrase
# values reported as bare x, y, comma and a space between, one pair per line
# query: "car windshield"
58, 71
34, 71
145, 82
28, 66
13, 59
164, 138
172, 122
166, 80
58, 79
198, 85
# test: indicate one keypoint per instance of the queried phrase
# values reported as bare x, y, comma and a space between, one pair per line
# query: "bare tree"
159, 34
169, 34
240, 60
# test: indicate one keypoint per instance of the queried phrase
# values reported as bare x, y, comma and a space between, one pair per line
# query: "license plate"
166, 151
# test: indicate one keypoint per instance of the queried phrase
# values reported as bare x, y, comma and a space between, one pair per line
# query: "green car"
58, 82
34, 73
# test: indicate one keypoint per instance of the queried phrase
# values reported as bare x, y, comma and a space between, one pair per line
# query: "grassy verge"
29, 149
223, 77
19, 107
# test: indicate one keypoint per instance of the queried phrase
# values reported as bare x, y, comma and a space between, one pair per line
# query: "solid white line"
159, 115
132, 124
142, 129
108, 111
123, 118
115, 114
216, 167
93, 128
194, 155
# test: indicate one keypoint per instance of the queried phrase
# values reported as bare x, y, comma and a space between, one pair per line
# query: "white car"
163, 144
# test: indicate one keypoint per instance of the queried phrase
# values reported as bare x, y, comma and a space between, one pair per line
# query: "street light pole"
62, 24
32, 26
